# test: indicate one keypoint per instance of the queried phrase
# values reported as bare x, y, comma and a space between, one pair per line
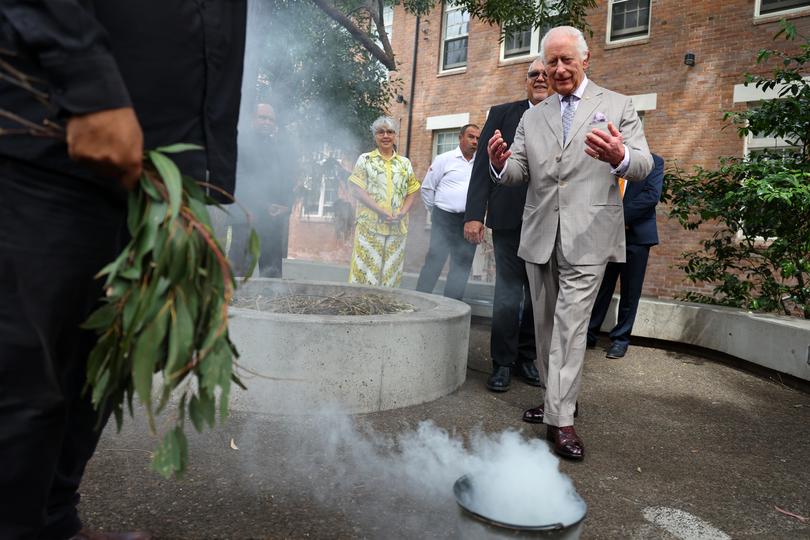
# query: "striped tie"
568, 115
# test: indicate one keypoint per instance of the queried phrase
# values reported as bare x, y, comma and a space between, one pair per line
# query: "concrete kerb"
774, 342
297, 363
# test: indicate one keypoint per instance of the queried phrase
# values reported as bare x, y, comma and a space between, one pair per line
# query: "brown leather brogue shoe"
86, 534
566, 442
535, 414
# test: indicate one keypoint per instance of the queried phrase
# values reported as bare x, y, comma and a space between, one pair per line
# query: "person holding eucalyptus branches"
120, 77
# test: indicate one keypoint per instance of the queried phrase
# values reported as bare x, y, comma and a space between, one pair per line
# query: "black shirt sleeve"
480, 181
72, 48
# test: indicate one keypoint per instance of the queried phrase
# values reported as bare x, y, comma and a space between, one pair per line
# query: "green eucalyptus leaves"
166, 311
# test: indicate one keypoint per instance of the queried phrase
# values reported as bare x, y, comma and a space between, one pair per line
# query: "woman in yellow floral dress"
385, 187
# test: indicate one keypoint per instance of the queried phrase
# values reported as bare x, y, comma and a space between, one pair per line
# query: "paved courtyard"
677, 446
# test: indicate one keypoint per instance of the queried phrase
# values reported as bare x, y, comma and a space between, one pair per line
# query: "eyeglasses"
535, 74
386, 132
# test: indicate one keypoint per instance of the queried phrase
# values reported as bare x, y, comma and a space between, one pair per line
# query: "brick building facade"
638, 48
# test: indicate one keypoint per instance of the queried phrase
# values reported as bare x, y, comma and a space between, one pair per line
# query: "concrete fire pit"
300, 364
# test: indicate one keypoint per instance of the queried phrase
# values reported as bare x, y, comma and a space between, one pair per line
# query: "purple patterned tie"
568, 115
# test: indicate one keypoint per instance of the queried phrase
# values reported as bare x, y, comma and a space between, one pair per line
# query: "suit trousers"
512, 340
563, 295
631, 277
55, 234
447, 238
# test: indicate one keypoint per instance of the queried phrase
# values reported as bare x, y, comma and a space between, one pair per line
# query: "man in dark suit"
639, 201
512, 344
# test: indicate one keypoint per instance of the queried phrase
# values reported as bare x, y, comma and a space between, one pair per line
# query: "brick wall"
684, 128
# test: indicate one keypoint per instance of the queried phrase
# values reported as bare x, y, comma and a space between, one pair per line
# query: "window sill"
316, 219
454, 71
629, 42
515, 60
778, 16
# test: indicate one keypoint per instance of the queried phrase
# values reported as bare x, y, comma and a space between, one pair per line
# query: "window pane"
631, 19
617, 23
312, 196
517, 43
771, 6
446, 140
388, 20
455, 53
456, 24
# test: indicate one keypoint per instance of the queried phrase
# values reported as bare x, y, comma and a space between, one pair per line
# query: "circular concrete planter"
301, 364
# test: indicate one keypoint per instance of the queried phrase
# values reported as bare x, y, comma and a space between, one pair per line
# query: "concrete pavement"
677, 446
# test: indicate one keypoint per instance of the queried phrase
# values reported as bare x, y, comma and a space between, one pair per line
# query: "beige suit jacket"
567, 186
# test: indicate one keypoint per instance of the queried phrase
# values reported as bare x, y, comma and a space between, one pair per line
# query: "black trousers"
55, 234
631, 276
447, 238
273, 232
512, 340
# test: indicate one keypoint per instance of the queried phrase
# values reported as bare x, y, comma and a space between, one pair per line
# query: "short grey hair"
581, 44
384, 122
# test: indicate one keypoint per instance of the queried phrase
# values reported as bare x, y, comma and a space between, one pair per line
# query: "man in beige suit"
571, 149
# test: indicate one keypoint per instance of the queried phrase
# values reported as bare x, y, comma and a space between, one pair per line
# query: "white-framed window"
388, 21
525, 42
755, 144
628, 20
751, 96
518, 43
455, 31
774, 7
444, 140
322, 179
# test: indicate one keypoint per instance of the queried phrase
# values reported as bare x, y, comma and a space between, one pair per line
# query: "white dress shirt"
446, 182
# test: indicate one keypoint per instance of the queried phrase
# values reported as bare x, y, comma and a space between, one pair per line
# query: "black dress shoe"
616, 350
528, 372
590, 343
500, 379
566, 442
535, 414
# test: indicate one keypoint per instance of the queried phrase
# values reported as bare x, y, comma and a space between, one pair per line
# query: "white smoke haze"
328, 458
331, 456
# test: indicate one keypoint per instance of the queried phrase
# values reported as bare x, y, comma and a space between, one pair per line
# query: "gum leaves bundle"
163, 324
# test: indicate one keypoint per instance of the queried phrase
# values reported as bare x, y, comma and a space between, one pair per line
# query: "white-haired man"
571, 149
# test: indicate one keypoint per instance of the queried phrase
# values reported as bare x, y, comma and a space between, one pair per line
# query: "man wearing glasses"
512, 344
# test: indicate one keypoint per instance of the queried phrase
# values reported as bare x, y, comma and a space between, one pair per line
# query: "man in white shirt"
444, 192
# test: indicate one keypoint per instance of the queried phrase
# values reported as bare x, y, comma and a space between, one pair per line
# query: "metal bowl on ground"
476, 524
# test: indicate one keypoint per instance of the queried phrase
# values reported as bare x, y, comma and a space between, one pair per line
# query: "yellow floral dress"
379, 247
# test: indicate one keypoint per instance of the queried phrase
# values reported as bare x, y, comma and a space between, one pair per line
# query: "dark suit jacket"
503, 205
177, 62
639, 203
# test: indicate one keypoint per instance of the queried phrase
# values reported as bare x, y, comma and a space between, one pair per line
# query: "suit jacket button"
559, 158
556, 208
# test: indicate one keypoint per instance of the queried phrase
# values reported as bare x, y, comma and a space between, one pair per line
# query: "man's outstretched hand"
109, 142
498, 151
607, 147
